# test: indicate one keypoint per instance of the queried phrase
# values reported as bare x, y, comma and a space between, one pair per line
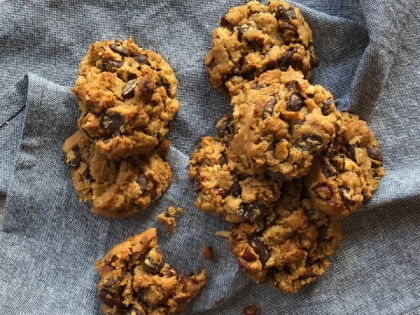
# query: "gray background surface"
369, 53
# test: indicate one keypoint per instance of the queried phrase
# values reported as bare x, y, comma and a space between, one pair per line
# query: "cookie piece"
135, 279
280, 122
223, 190
289, 247
254, 38
116, 188
127, 96
349, 173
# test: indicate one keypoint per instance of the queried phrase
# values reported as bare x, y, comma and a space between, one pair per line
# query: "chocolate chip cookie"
290, 246
254, 38
136, 280
116, 188
349, 172
127, 96
280, 122
226, 192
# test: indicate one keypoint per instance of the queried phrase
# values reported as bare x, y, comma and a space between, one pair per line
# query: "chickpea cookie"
127, 96
280, 122
288, 248
116, 188
350, 171
254, 38
224, 191
136, 280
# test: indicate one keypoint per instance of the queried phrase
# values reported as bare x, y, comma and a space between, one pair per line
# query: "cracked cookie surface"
127, 96
136, 280
254, 38
224, 191
280, 122
116, 188
350, 171
288, 248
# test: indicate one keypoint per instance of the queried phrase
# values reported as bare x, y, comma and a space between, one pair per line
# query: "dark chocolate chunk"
284, 26
154, 261
240, 33
119, 48
236, 190
296, 102
128, 88
75, 160
325, 108
258, 86
109, 299
260, 249
310, 143
286, 14
142, 181
269, 108
277, 176
287, 59
375, 154
223, 160
112, 122
109, 63
225, 128
197, 183
323, 233
142, 59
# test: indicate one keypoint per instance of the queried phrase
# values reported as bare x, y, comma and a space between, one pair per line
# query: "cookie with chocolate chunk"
280, 122
254, 38
116, 188
136, 280
350, 171
289, 247
127, 96
225, 191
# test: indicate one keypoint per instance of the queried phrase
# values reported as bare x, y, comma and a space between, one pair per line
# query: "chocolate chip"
375, 154
197, 183
287, 59
323, 233
236, 190
119, 48
310, 143
147, 87
111, 281
277, 176
128, 88
249, 211
296, 102
240, 33
260, 248
109, 63
154, 261
224, 22
286, 14
74, 159
109, 299
352, 151
171, 273
112, 122
323, 191
87, 175
287, 269
284, 26
226, 127
269, 108
114, 258
106, 269
142, 181
292, 85
258, 86
251, 310
142, 59
325, 108
223, 160
314, 61
344, 192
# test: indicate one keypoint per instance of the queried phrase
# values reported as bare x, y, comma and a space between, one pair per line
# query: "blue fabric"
370, 61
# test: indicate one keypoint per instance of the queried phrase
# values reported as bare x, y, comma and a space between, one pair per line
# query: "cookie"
127, 96
254, 38
136, 280
116, 188
280, 122
288, 248
223, 190
350, 171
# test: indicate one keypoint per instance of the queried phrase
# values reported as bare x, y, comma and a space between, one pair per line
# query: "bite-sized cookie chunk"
117, 188
254, 38
127, 96
221, 189
136, 280
280, 122
289, 247
349, 172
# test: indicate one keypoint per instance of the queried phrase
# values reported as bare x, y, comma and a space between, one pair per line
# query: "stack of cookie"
118, 155
286, 166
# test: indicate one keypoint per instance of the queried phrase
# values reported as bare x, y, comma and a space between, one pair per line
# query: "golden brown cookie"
280, 122
136, 280
116, 188
289, 247
350, 171
226, 192
127, 96
254, 38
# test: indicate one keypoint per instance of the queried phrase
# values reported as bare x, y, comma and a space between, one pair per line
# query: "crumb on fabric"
168, 217
251, 310
222, 233
208, 252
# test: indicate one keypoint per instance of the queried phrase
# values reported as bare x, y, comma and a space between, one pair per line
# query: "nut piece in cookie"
350, 171
116, 188
280, 122
127, 96
135, 279
289, 247
254, 38
237, 197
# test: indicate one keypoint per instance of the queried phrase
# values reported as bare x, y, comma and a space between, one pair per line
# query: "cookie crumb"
168, 217
251, 310
222, 233
208, 252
